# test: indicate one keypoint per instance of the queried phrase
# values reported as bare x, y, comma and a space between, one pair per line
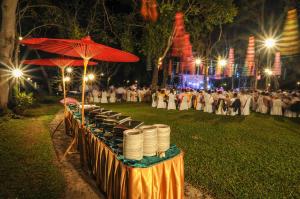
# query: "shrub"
23, 101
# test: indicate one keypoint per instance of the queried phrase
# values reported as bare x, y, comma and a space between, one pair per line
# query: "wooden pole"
85, 63
64, 89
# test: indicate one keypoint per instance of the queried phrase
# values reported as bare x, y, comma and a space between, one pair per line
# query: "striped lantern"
230, 65
277, 65
249, 67
290, 40
149, 10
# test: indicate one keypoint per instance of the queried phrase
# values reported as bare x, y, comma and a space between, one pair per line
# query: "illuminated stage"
192, 81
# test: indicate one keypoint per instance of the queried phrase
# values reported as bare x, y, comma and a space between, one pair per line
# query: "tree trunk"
165, 75
7, 41
154, 77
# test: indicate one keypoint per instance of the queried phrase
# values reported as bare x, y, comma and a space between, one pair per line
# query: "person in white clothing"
104, 97
209, 100
112, 96
184, 102
160, 100
245, 103
276, 108
154, 100
171, 101
96, 94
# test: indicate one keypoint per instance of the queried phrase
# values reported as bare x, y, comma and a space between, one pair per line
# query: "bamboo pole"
85, 63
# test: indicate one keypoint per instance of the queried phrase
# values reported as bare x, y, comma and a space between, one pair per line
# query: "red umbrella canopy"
85, 48
60, 62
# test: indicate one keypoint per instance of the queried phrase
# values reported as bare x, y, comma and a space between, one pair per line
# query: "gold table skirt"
164, 180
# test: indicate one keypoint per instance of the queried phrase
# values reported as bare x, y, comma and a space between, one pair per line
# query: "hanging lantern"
277, 65
249, 67
149, 10
290, 40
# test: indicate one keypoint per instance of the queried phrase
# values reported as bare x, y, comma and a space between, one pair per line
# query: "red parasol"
84, 48
62, 63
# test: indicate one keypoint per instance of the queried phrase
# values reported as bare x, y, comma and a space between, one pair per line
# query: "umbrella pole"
83, 151
64, 88
85, 63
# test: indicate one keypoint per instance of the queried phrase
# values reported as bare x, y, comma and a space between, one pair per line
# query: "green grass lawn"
232, 157
28, 166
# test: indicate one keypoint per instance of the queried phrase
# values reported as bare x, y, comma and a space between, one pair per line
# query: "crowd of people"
219, 102
232, 103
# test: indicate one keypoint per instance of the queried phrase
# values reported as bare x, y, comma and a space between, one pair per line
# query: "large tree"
7, 45
202, 17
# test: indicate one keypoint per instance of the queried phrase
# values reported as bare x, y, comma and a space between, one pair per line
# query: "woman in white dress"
104, 97
160, 100
184, 102
112, 98
276, 106
171, 101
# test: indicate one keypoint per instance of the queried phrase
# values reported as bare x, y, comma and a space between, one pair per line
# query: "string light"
268, 71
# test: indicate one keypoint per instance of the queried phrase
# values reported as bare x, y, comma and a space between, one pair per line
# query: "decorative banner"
249, 68
149, 10
277, 65
290, 40
181, 45
230, 65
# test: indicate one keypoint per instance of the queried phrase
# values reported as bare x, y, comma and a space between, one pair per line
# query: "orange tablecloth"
164, 180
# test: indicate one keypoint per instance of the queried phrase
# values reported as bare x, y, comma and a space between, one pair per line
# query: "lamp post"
198, 62
269, 44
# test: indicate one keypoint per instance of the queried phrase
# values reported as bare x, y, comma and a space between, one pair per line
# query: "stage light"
67, 79
69, 70
268, 72
222, 62
270, 42
91, 76
17, 73
198, 61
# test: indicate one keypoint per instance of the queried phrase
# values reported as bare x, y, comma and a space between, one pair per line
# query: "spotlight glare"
17, 73
67, 79
91, 76
268, 71
198, 61
69, 70
270, 42
222, 62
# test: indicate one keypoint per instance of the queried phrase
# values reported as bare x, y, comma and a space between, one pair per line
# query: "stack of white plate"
150, 145
163, 137
133, 144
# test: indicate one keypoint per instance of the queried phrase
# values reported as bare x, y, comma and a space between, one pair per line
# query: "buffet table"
159, 178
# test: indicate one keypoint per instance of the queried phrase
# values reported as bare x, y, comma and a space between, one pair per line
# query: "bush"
23, 101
